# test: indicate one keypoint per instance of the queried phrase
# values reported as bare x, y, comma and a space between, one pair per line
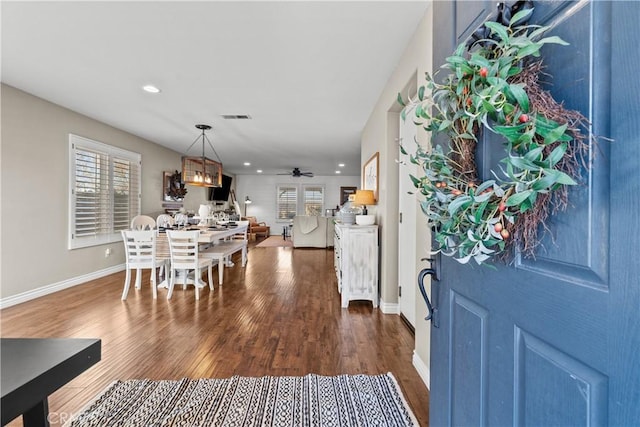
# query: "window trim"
111, 236
297, 204
303, 191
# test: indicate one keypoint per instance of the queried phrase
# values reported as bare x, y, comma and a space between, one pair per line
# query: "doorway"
407, 226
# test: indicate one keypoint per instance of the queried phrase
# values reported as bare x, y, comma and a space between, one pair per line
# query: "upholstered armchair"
258, 228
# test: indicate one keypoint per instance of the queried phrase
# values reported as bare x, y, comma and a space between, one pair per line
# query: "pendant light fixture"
202, 171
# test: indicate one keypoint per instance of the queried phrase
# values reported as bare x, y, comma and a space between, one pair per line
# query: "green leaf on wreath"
400, 101
557, 154
480, 212
563, 178
514, 71
544, 182
497, 28
520, 15
555, 134
457, 203
553, 39
522, 163
518, 198
520, 96
532, 49
535, 154
456, 59
479, 61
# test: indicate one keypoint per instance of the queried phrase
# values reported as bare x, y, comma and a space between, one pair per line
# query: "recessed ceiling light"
150, 89
259, 171
341, 165
338, 171
247, 164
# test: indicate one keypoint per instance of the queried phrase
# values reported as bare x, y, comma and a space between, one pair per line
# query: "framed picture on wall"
345, 192
172, 188
370, 172
166, 186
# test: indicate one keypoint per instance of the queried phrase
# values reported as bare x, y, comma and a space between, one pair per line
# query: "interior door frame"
407, 252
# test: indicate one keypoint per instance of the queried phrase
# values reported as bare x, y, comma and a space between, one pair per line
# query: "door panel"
549, 341
473, 13
577, 248
553, 388
468, 348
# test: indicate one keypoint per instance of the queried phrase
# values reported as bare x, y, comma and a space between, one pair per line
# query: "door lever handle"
432, 312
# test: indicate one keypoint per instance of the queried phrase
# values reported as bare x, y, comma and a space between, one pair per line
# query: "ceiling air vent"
236, 116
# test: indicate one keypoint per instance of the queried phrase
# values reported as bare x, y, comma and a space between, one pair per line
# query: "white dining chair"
143, 222
181, 219
165, 220
140, 253
185, 255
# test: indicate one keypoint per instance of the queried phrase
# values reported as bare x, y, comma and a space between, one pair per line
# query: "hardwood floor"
280, 315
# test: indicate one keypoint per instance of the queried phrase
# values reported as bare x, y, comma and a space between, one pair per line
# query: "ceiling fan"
296, 173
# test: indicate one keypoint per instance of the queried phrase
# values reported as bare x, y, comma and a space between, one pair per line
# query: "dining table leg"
38, 416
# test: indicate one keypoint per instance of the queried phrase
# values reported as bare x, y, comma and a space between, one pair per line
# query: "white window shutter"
287, 202
105, 191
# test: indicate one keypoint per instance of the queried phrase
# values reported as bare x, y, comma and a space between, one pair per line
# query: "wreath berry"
495, 87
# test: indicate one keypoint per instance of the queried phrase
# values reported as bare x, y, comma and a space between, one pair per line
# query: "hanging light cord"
204, 137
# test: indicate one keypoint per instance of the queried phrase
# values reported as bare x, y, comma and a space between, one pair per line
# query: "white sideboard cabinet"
356, 262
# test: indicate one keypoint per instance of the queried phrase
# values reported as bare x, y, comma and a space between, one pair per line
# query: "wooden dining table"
208, 236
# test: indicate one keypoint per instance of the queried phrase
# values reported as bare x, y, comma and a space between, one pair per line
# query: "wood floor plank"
279, 315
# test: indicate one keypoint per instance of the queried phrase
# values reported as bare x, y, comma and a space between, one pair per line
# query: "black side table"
286, 231
33, 368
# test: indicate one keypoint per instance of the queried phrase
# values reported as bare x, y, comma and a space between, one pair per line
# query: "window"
313, 199
104, 191
287, 202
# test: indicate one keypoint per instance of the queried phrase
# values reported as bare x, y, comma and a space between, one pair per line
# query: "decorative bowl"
365, 219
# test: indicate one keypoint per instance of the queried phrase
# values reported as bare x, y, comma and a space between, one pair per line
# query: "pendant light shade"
202, 171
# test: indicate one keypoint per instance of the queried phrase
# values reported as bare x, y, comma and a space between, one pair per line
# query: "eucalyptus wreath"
494, 87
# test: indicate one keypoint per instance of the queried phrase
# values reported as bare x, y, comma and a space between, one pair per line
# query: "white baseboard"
55, 287
423, 369
389, 307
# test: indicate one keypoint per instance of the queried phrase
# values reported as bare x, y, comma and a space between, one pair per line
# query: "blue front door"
554, 341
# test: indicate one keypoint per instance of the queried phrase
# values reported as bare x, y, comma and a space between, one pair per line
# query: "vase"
203, 213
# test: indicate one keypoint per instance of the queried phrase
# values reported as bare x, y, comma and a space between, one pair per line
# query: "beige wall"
380, 134
35, 187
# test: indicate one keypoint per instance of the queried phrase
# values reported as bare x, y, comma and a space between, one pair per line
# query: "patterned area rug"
275, 241
312, 400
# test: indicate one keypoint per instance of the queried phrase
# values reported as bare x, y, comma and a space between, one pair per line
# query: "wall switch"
107, 252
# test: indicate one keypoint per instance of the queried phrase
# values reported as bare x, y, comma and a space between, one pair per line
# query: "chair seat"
203, 262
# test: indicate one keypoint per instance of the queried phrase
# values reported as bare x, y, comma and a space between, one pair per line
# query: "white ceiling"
308, 73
